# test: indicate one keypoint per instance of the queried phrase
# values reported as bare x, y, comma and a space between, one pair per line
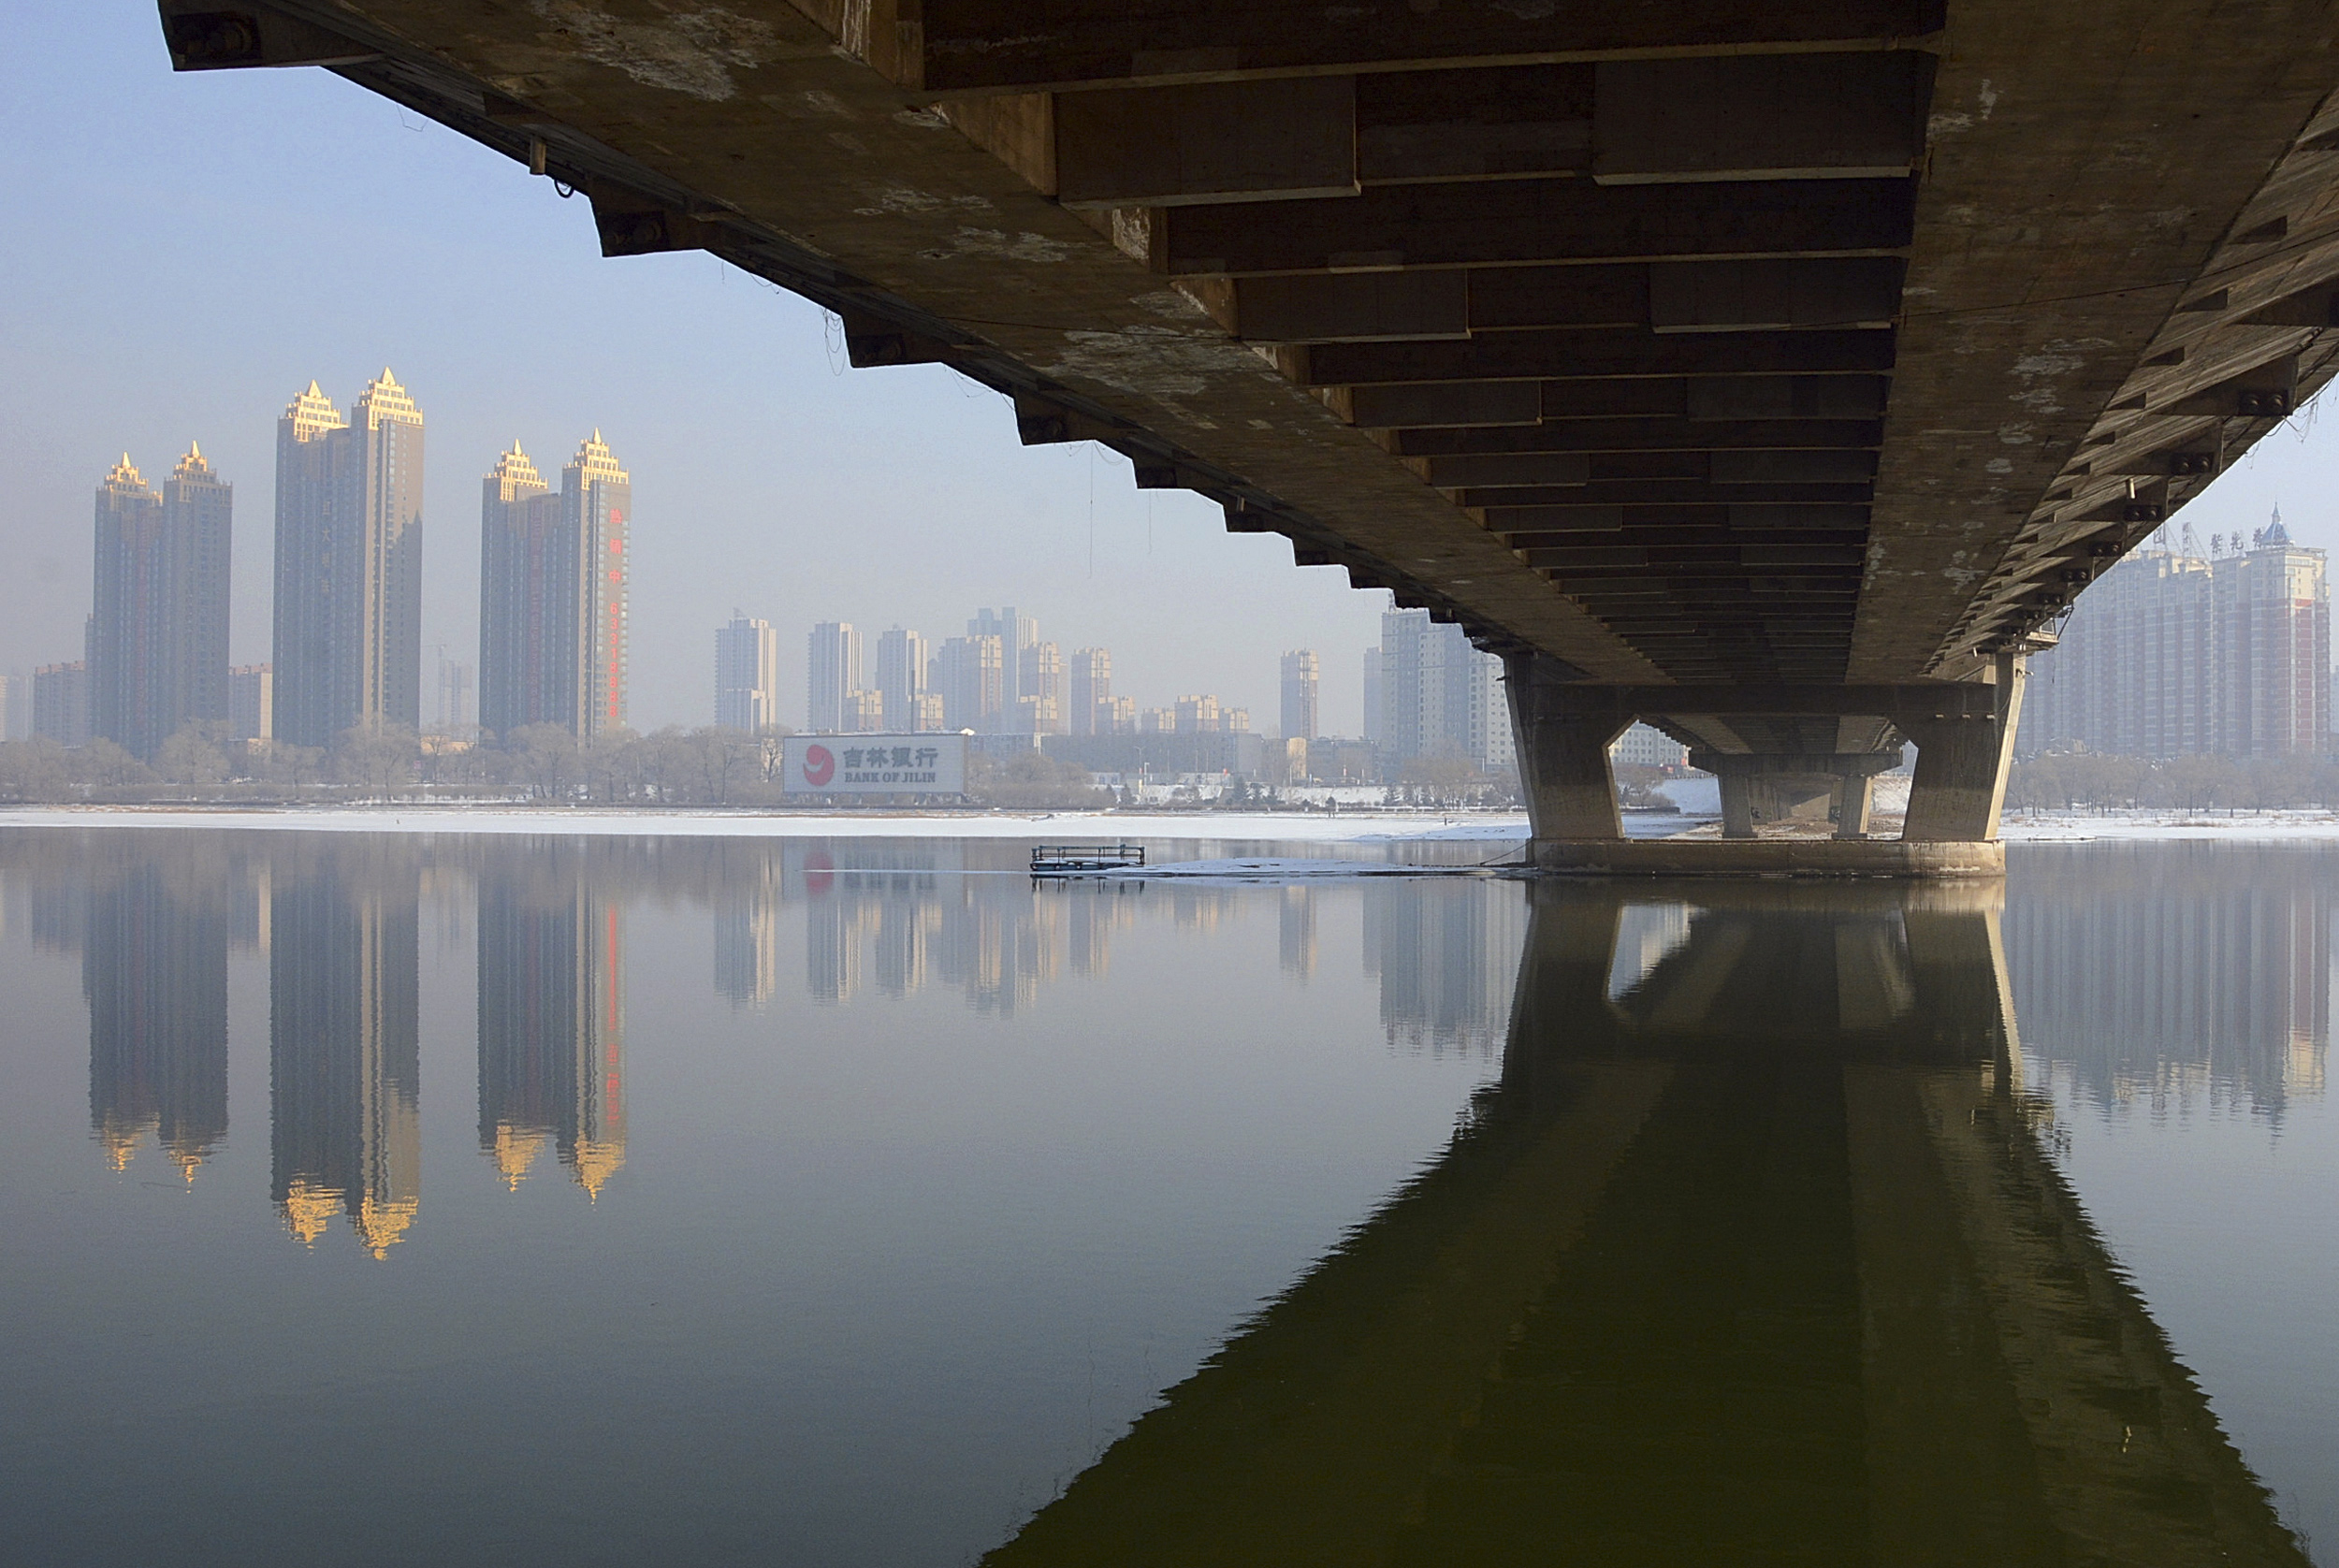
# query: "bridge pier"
1563, 768
1962, 763
1779, 752
1770, 787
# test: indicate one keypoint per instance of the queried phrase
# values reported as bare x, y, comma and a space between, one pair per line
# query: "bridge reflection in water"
1755, 1254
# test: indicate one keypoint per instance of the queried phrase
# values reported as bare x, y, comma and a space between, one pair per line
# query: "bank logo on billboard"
874, 764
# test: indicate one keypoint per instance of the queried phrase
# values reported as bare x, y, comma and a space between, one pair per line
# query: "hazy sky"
186, 252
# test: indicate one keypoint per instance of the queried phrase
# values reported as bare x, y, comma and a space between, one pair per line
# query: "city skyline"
777, 485
1001, 677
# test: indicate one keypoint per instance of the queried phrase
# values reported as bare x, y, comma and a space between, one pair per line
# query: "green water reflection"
1760, 1261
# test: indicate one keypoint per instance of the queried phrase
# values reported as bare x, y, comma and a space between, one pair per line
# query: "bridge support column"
1563, 765
1960, 783
1764, 787
1737, 804
1852, 811
1964, 730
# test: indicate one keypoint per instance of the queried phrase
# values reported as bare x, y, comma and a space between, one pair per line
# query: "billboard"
874, 764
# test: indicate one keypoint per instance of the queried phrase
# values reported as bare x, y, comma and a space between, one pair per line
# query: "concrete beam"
1207, 142
1976, 702
1803, 517
1660, 492
1832, 765
1741, 295
209, 36
1433, 405
1357, 307
1761, 116
1531, 221
1591, 354
1644, 434
1826, 293
985, 46
1474, 124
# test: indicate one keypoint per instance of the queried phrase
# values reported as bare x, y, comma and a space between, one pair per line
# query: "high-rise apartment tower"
903, 658
554, 578
2171, 654
158, 637
747, 676
1091, 685
597, 515
1440, 697
832, 675
1299, 695
348, 644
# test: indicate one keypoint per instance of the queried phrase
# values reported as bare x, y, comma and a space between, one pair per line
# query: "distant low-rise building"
1163, 754
61, 703
1646, 747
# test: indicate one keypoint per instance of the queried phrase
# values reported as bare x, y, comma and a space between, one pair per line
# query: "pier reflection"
1752, 1253
344, 1062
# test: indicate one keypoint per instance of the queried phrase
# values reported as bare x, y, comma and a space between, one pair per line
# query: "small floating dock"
1067, 860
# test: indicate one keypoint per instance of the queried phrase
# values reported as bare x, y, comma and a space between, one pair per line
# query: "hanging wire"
832, 341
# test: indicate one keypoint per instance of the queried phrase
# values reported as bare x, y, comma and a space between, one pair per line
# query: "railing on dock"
1055, 860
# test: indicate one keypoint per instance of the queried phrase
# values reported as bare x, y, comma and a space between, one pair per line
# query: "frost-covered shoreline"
2075, 827
1081, 826
1309, 827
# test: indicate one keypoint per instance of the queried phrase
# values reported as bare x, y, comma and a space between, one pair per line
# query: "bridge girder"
1823, 342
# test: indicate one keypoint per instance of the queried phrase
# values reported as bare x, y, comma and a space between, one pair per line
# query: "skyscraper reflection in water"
747, 931
2177, 976
551, 1016
1442, 953
154, 970
344, 1068
1752, 1254
901, 929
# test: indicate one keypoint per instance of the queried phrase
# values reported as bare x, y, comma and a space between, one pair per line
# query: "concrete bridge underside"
1776, 373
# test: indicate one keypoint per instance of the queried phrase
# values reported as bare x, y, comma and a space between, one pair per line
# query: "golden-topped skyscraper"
521, 619
348, 649
554, 572
158, 629
597, 496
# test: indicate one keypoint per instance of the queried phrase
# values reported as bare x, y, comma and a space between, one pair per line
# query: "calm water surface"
397, 1199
